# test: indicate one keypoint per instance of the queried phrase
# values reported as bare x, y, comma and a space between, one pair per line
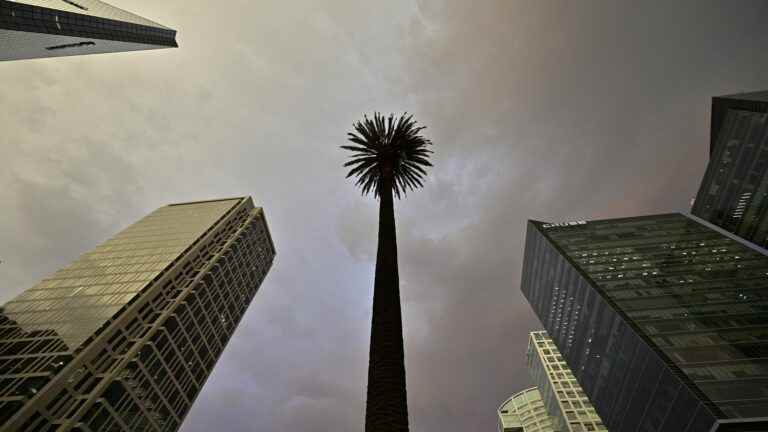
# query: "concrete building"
556, 403
561, 393
524, 412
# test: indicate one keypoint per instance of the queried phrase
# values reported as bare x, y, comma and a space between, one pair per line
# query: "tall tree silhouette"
389, 157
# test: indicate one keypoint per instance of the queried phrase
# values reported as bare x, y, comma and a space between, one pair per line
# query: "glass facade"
734, 190
125, 337
524, 412
721, 105
52, 28
656, 316
563, 397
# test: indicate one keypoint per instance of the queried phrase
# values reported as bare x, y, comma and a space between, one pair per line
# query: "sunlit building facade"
55, 28
524, 412
662, 319
734, 190
124, 338
561, 393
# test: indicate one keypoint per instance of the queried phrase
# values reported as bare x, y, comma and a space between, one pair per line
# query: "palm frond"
390, 151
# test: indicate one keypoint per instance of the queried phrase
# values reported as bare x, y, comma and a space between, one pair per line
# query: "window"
71, 45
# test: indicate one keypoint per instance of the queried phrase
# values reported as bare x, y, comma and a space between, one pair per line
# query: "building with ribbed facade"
124, 338
662, 319
54, 28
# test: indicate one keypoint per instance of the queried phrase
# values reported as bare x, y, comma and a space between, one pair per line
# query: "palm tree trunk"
386, 405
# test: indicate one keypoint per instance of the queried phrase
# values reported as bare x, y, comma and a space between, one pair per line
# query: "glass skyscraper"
722, 105
124, 338
54, 28
662, 319
734, 190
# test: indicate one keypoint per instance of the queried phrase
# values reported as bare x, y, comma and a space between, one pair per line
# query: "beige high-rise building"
562, 395
524, 412
556, 404
124, 338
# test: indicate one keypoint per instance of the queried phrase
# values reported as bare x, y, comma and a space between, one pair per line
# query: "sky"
538, 109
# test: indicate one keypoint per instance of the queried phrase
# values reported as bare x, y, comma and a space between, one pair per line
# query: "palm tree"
389, 157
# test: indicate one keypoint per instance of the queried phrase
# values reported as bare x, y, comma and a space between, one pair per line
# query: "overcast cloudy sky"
554, 110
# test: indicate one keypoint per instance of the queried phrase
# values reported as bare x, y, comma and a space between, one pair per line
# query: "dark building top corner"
756, 101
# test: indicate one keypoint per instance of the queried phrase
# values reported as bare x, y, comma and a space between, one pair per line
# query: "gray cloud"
539, 109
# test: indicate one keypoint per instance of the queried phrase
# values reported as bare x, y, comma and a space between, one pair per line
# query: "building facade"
124, 338
55, 28
524, 412
561, 393
722, 105
556, 404
662, 319
734, 191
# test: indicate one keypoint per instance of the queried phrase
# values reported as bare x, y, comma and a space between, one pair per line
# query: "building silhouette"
55, 28
124, 338
663, 319
734, 190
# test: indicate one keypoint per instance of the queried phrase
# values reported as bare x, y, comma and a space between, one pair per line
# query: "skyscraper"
756, 102
663, 319
124, 338
563, 397
734, 191
54, 28
556, 404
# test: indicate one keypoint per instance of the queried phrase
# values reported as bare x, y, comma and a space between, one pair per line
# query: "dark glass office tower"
734, 190
756, 102
662, 319
124, 338
54, 28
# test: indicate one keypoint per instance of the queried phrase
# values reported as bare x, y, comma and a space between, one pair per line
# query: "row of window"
83, 290
92, 372
109, 269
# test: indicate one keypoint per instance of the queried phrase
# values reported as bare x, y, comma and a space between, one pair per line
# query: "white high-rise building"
55, 28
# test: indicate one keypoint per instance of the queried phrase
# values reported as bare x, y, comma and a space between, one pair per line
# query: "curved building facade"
524, 412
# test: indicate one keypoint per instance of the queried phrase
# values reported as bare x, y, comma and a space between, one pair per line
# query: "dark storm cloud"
538, 109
